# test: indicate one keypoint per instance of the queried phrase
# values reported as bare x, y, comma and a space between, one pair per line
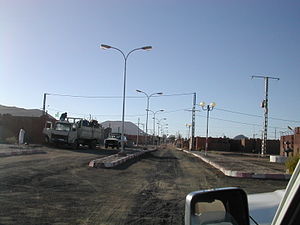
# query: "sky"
211, 48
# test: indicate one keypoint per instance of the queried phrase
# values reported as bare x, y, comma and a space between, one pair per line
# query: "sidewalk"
12, 150
243, 166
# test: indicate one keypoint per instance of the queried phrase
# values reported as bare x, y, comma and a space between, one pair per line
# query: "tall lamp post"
147, 109
207, 108
159, 125
154, 113
124, 83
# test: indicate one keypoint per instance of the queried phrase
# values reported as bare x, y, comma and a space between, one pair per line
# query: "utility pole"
193, 110
138, 133
265, 105
192, 142
44, 104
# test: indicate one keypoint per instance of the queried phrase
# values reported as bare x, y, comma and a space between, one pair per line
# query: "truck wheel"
92, 145
106, 146
75, 145
118, 147
47, 140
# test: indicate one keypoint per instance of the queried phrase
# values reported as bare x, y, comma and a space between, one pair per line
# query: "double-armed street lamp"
154, 113
207, 108
159, 123
147, 109
125, 56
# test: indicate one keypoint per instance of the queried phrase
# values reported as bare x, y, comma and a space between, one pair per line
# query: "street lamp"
148, 101
159, 124
154, 113
207, 108
124, 83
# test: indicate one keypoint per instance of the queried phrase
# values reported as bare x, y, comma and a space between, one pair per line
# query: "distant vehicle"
114, 141
74, 132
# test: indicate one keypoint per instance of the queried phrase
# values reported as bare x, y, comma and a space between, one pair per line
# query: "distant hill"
15, 111
116, 126
239, 137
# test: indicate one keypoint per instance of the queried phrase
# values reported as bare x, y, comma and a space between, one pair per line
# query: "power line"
253, 115
111, 97
94, 97
238, 122
133, 115
241, 113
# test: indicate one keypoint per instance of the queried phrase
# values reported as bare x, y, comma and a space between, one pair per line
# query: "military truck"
74, 132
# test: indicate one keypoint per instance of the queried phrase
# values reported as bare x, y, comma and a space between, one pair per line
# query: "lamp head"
138, 90
213, 104
105, 46
159, 93
161, 110
146, 47
202, 104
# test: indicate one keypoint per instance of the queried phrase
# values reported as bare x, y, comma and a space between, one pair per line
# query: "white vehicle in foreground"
229, 206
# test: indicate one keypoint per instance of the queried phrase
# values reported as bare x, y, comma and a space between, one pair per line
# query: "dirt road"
59, 188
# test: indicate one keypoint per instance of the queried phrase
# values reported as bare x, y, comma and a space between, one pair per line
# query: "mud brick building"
291, 142
33, 126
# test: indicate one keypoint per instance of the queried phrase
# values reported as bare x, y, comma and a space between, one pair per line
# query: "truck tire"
75, 145
106, 146
92, 145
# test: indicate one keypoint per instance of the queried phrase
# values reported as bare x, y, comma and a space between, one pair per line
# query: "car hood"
112, 139
263, 206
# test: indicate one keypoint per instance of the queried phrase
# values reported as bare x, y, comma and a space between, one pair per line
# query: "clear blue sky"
208, 47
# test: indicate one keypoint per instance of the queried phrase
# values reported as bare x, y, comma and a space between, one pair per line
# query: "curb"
16, 153
239, 174
100, 163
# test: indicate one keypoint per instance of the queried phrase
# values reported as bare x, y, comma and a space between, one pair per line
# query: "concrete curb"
239, 174
22, 152
106, 163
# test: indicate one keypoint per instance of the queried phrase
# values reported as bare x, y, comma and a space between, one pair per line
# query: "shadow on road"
85, 150
153, 157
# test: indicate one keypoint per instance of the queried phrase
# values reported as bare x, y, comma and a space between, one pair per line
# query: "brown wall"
243, 145
254, 146
216, 144
294, 141
33, 126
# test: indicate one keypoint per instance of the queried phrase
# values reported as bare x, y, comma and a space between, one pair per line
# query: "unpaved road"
59, 188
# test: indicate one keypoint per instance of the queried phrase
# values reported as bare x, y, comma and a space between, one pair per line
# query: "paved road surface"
59, 188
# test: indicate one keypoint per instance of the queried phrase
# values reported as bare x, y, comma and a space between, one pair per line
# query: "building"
237, 145
215, 144
12, 119
290, 143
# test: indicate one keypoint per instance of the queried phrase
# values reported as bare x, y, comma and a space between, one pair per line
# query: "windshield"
204, 92
62, 126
